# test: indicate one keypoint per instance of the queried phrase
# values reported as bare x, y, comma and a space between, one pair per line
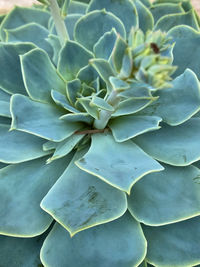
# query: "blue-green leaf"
160, 10
40, 75
86, 201
118, 53
20, 16
62, 101
87, 74
17, 146
118, 164
178, 103
169, 21
10, 76
70, 22
23, 252
101, 103
69, 62
103, 48
119, 8
176, 244
76, 117
22, 187
56, 46
77, 8
5, 109
31, 32
157, 199
187, 48
178, 146
146, 20
92, 110
127, 127
97, 23
118, 243
40, 119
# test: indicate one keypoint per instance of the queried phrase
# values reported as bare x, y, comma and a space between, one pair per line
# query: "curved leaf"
40, 119
119, 243
178, 146
118, 8
177, 244
97, 23
187, 48
10, 76
146, 20
22, 187
118, 164
127, 127
166, 197
18, 147
79, 200
40, 75
69, 62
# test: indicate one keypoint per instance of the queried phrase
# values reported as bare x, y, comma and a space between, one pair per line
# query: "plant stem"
59, 22
105, 115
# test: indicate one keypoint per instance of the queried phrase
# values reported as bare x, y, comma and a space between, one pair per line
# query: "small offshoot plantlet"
100, 134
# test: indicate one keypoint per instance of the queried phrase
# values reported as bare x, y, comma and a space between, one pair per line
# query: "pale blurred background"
8, 4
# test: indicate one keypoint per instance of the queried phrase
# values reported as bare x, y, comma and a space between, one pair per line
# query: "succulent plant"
99, 134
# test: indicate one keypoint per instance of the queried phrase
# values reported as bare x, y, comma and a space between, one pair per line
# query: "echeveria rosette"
97, 141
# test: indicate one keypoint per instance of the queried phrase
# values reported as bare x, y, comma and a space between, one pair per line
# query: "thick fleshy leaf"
161, 10
69, 62
103, 48
101, 103
10, 76
40, 119
80, 117
146, 20
118, 53
17, 146
177, 244
20, 16
65, 147
56, 46
23, 252
97, 23
147, 3
118, 164
118, 84
79, 200
118, 8
62, 101
31, 32
169, 21
70, 22
118, 243
5, 109
166, 197
186, 49
22, 188
4, 96
77, 8
178, 103
40, 75
91, 110
130, 106
127, 127
87, 74
178, 146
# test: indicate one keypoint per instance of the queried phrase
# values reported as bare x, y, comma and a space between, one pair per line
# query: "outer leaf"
174, 245
23, 252
69, 62
77, 7
161, 10
97, 23
22, 187
70, 22
20, 16
56, 46
40, 119
5, 109
31, 32
122, 238
186, 49
157, 199
127, 127
118, 164
10, 75
167, 22
178, 146
178, 103
85, 201
40, 76
146, 20
118, 8
17, 147
103, 48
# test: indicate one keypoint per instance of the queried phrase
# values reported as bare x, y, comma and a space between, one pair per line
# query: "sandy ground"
8, 4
